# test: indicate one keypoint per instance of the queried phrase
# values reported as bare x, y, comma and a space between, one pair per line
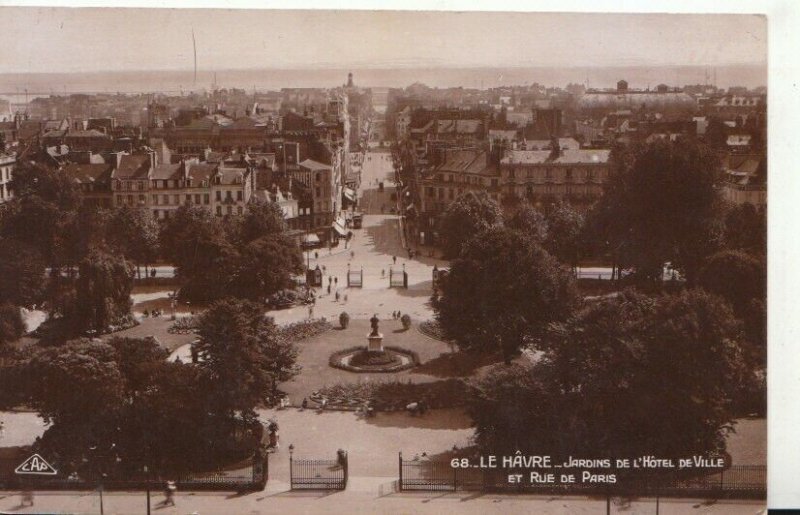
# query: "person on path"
336, 280
329, 288
169, 494
383, 273
337, 296
311, 311
394, 259
345, 298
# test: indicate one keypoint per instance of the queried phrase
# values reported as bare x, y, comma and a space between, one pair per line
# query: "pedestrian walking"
323, 269
304, 405
169, 494
383, 273
337, 296
336, 280
27, 498
345, 298
329, 288
330, 280
352, 254
394, 259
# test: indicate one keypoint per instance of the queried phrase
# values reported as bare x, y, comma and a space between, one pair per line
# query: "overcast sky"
71, 40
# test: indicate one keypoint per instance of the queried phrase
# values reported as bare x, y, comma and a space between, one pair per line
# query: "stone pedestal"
375, 342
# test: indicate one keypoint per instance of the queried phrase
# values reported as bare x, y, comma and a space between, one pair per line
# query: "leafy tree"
566, 226
262, 219
22, 269
103, 291
465, 217
599, 389
243, 357
662, 205
12, 327
134, 232
741, 280
264, 266
746, 229
502, 292
197, 244
531, 222
73, 384
44, 205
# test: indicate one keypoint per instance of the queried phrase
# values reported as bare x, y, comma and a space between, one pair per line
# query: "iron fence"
308, 474
735, 482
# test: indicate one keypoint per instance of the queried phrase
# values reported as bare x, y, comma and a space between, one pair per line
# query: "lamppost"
291, 465
147, 486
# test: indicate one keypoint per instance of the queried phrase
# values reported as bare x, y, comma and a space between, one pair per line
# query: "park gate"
308, 474
355, 278
398, 279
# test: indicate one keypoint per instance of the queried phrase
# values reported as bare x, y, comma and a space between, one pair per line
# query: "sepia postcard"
353, 261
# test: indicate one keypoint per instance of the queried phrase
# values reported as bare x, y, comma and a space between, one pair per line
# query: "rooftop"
136, 166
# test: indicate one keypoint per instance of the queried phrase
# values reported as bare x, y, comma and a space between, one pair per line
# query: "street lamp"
291, 471
147, 486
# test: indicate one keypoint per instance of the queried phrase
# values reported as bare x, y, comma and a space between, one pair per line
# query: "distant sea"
13, 85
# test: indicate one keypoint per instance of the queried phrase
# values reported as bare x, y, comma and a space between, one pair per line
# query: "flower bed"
366, 358
358, 359
183, 325
304, 329
393, 395
432, 329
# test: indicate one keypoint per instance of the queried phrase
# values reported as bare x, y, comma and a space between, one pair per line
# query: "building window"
155, 200
219, 198
511, 173
230, 210
239, 210
206, 198
239, 196
219, 210
568, 174
142, 199
197, 198
141, 185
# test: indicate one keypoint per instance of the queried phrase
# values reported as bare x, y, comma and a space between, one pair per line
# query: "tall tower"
350, 80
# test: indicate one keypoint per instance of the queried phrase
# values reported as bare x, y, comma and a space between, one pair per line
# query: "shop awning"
311, 238
339, 228
350, 194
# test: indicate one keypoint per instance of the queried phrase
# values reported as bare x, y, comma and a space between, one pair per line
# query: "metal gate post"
400, 467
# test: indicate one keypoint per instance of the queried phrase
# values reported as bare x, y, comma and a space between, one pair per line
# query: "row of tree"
79, 261
123, 397
608, 369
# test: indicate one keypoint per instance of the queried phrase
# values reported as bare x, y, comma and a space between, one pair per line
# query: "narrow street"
373, 248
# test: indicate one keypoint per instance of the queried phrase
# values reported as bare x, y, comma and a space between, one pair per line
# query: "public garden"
437, 377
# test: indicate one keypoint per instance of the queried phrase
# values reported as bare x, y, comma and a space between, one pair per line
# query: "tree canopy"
243, 356
661, 205
628, 376
502, 291
465, 217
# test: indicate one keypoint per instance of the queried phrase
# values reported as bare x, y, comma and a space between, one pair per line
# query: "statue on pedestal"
374, 323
